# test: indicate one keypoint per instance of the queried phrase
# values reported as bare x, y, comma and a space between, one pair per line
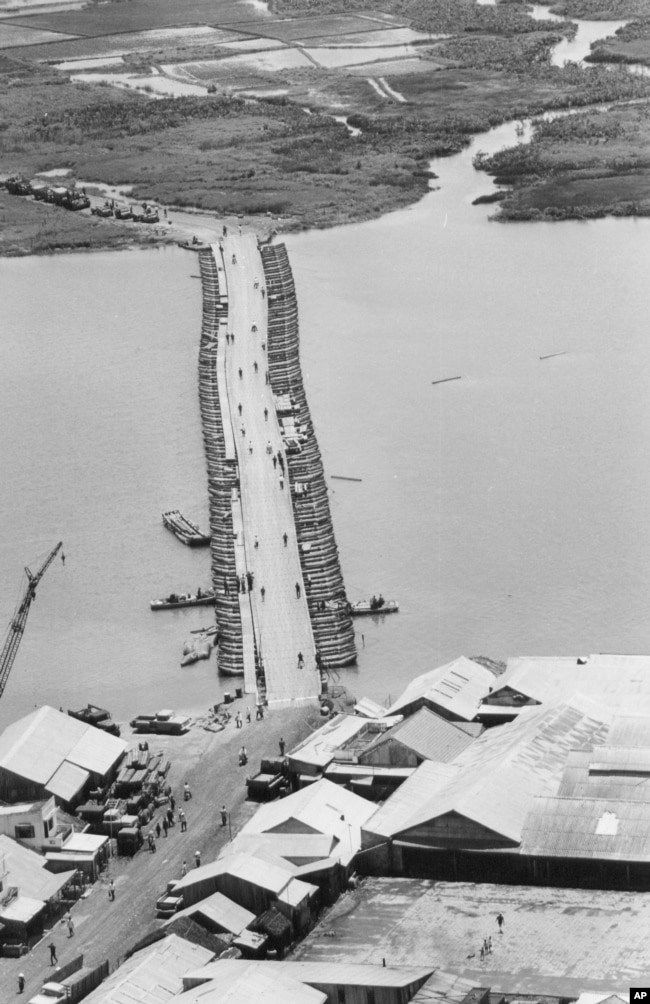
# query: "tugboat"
202, 598
184, 529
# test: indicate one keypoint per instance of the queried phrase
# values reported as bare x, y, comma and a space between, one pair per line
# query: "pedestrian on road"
232, 337
485, 946
151, 840
266, 414
240, 407
269, 448
227, 338
500, 919
267, 377
489, 945
172, 800
197, 858
53, 958
183, 820
281, 461
241, 373
250, 577
482, 953
281, 744
184, 869
301, 660
257, 541
297, 590
248, 715
165, 825
263, 593
255, 366
275, 462
263, 293
158, 830
238, 721
62, 558
21, 982
70, 927
282, 481
224, 815
285, 538
187, 791
242, 583
250, 446
256, 284
111, 891
259, 712
243, 757
242, 429
254, 328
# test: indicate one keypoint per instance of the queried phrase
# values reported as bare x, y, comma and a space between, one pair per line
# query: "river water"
506, 511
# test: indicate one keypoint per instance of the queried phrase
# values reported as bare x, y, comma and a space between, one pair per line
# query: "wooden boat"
377, 605
202, 598
193, 245
184, 529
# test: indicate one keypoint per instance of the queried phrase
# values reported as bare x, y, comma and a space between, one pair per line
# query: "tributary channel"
505, 511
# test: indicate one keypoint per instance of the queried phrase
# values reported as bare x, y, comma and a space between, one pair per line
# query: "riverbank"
208, 761
344, 135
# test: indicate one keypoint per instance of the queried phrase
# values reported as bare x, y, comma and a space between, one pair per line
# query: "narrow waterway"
505, 511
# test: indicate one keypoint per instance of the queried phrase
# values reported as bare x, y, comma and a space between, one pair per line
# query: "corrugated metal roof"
295, 847
67, 781
297, 892
35, 746
319, 806
332, 973
358, 770
588, 828
578, 781
445, 988
25, 869
427, 735
370, 709
505, 768
630, 730
221, 911
88, 843
620, 760
429, 778
244, 866
622, 682
322, 745
457, 686
22, 909
153, 975
253, 986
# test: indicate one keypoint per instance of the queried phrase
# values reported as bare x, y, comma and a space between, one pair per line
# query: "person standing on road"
259, 712
183, 820
21, 983
238, 721
197, 859
275, 463
262, 593
282, 481
241, 373
165, 825
285, 538
281, 744
187, 791
111, 891
301, 660
224, 815
255, 366
53, 958
70, 927
240, 408
297, 590
500, 919
266, 414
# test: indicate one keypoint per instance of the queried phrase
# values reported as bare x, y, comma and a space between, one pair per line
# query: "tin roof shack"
28, 891
454, 691
342, 983
86, 852
479, 803
309, 856
152, 975
48, 753
343, 732
423, 736
33, 824
253, 883
622, 682
217, 914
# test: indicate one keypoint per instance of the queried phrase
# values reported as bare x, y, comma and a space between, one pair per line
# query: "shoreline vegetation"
248, 148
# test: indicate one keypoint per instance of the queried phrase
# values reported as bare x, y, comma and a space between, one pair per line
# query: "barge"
184, 529
377, 605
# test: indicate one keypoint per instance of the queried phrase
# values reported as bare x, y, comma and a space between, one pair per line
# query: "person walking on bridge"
301, 660
285, 538
255, 366
241, 373
266, 414
240, 408
297, 590
263, 593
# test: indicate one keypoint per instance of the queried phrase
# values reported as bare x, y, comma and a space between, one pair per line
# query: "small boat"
202, 598
193, 245
184, 529
377, 605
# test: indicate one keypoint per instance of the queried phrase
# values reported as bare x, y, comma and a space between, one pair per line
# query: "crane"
17, 626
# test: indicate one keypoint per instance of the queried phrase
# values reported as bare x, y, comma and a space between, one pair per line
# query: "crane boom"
17, 626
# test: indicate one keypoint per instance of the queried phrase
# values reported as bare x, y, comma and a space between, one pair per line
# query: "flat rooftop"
554, 941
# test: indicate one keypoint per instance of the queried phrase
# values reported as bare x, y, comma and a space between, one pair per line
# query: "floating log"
552, 355
445, 380
341, 477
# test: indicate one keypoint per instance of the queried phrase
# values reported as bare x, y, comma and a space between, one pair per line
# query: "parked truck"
73, 988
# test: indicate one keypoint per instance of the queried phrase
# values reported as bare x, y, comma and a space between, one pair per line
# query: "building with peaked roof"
324, 808
422, 736
616, 772
620, 681
340, 738
243, 986
353, 983
217, 914
453, 691
153, 975
49, 753
28, 889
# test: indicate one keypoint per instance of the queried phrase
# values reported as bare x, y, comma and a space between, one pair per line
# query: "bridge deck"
281, 619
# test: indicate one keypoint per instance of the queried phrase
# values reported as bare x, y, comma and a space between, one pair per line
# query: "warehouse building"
454, 691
